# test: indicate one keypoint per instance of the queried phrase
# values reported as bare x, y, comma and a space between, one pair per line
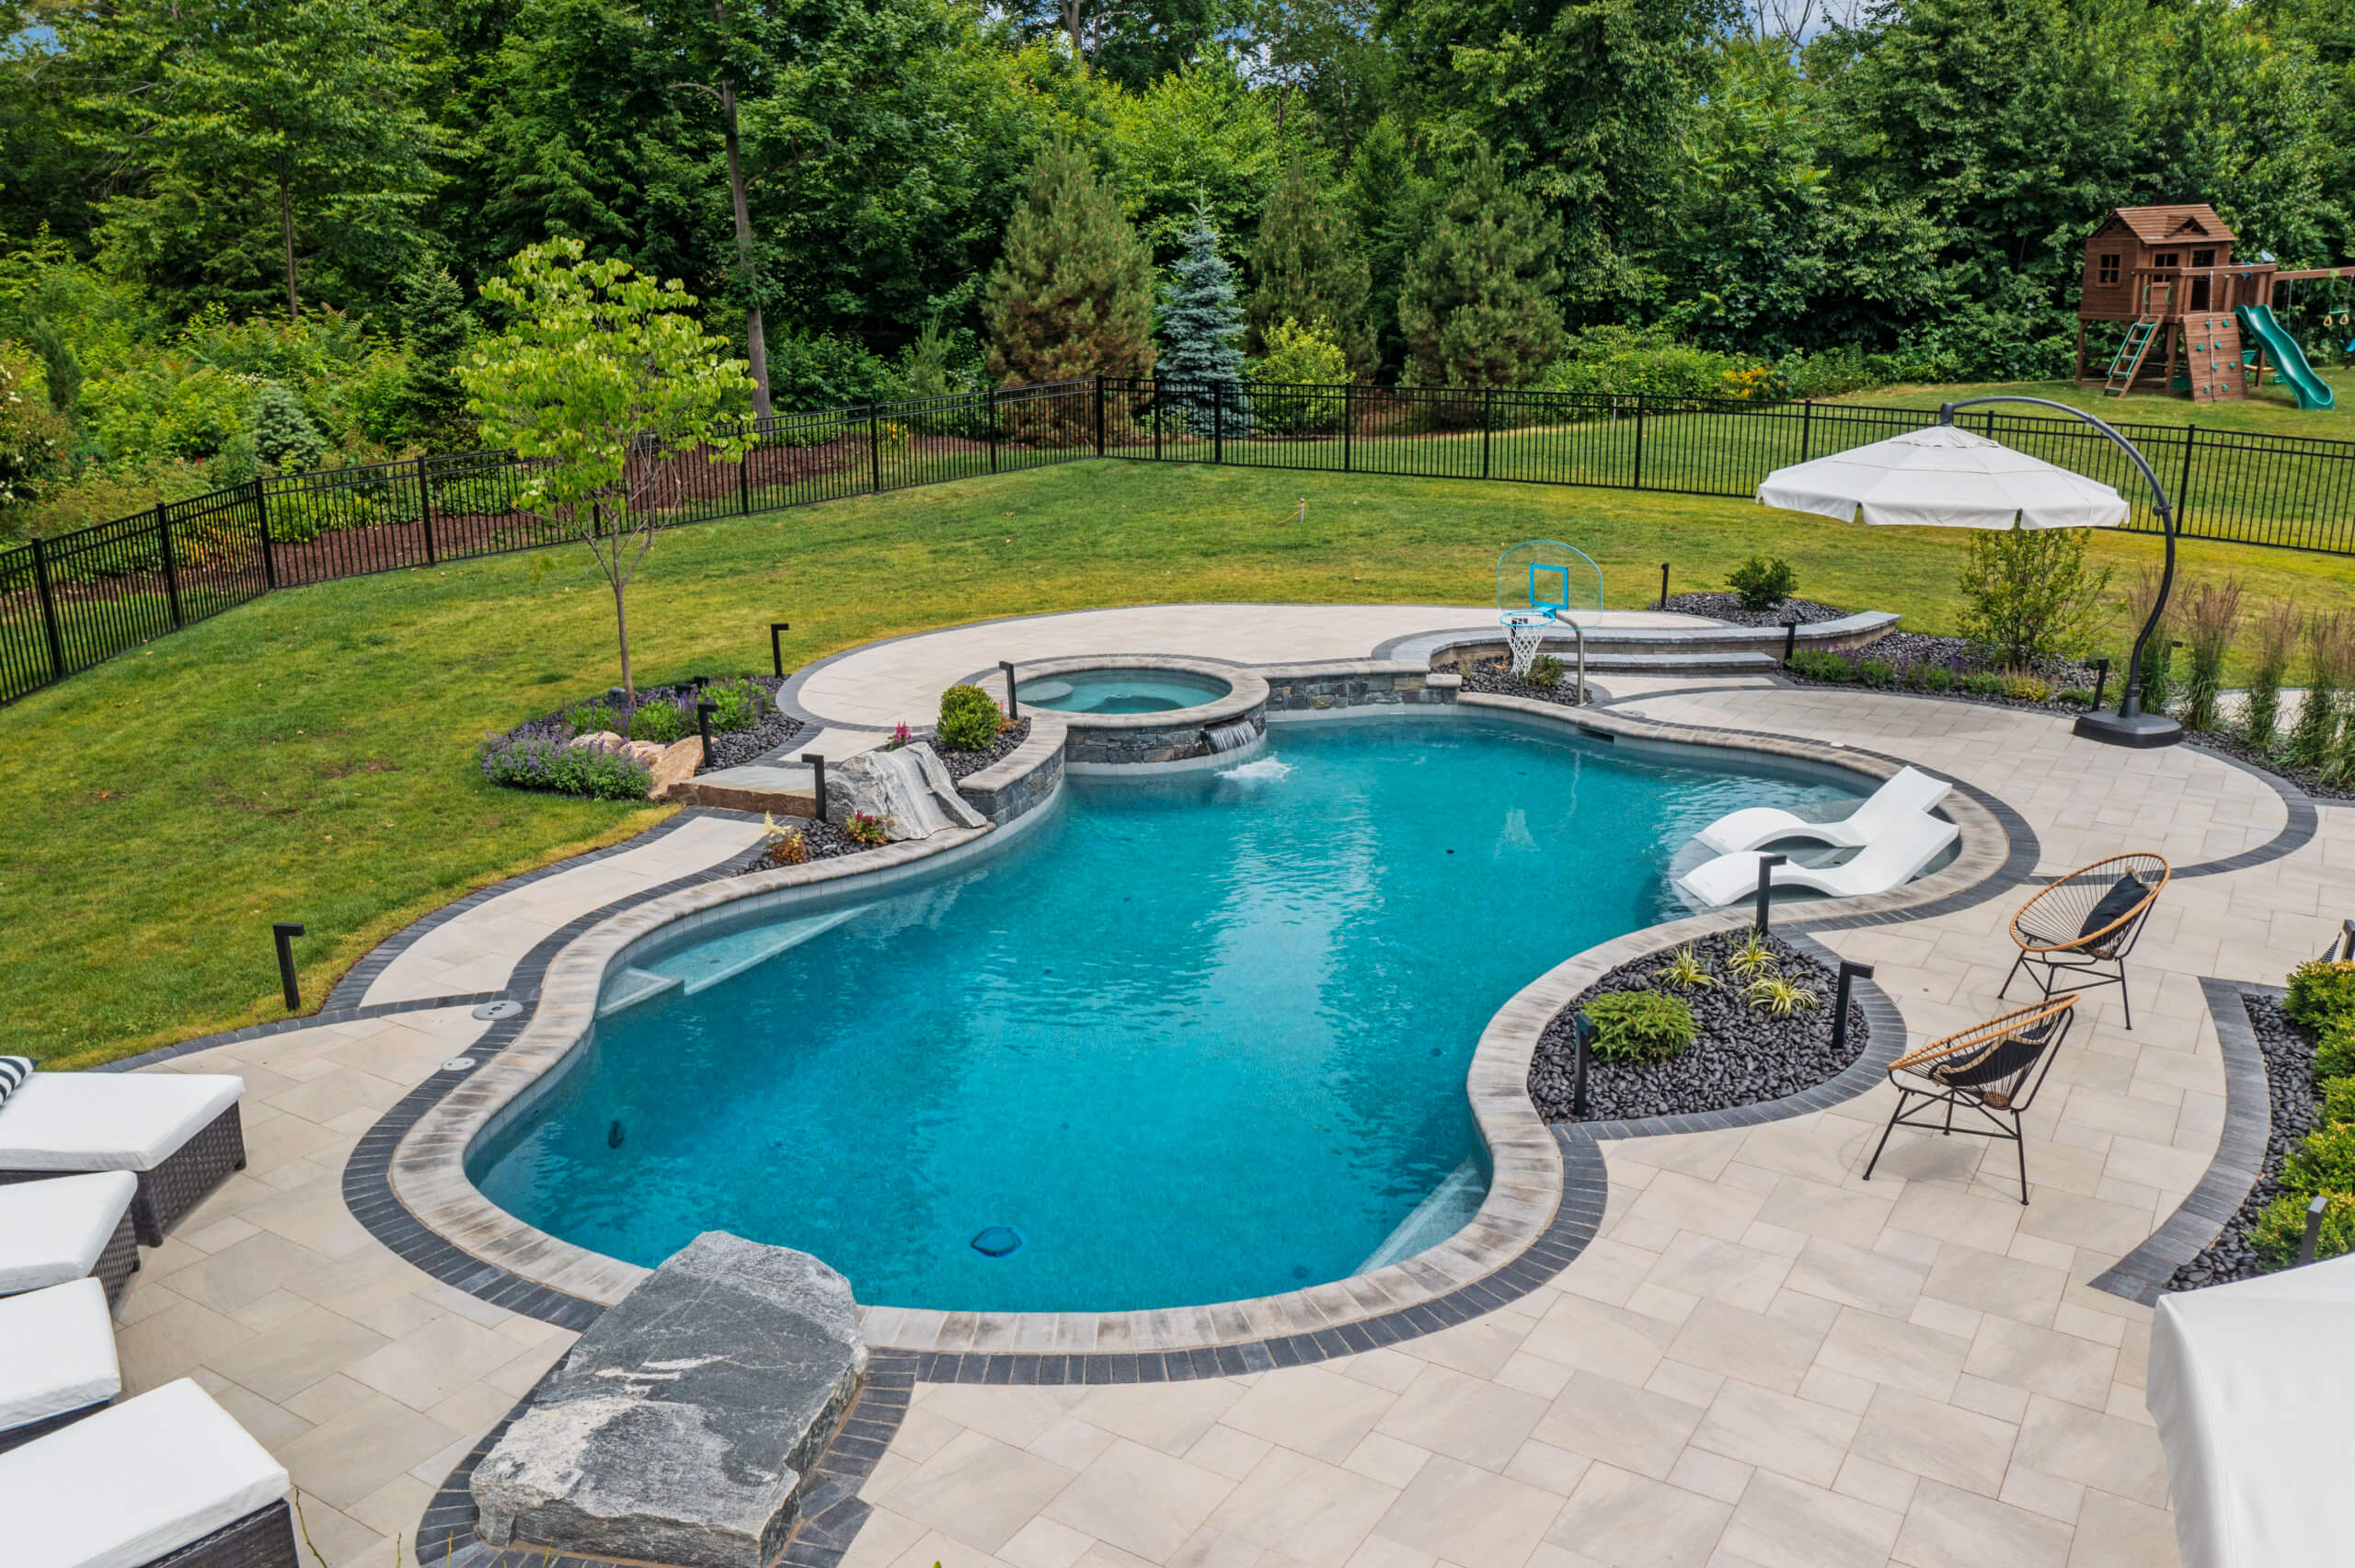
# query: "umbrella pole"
2130, 726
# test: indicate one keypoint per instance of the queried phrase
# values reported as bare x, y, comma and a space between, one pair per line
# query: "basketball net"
1525, 634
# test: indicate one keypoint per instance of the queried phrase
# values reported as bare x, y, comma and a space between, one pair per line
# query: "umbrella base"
2130, 730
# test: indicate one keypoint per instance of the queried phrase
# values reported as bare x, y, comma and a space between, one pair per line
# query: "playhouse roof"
2159, 225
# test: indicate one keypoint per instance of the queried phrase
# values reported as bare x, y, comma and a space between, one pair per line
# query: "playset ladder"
2128, 362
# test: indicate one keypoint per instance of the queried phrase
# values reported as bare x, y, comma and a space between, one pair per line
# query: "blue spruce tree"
1200, 328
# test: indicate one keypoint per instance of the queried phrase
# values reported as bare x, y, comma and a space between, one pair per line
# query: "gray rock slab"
680, 1427
909, 787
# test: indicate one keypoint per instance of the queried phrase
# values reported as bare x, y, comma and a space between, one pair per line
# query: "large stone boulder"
675, 766
680, 1428
909, 786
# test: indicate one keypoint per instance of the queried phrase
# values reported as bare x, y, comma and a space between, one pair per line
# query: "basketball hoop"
1524, 635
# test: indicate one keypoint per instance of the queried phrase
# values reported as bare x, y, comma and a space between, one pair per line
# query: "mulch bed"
1727, 607
1496, 676
1744, 1055
965, 764
2289, 1053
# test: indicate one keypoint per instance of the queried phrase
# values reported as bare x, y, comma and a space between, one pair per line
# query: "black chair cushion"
2115, 906
1993, 1062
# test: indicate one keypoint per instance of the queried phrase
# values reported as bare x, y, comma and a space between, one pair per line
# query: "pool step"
631, 987
700, 968
1449, 1208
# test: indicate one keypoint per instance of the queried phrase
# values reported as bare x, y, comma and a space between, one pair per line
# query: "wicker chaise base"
16, 1436
175, 1185
263, 1538
120, 1261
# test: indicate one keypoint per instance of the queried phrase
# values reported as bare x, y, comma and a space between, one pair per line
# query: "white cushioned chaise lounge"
168, 1480
68, 1228
57, 1361
178, 1133
1900, 854
1907, 790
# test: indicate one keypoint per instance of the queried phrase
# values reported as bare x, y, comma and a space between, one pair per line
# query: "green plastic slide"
2289, 359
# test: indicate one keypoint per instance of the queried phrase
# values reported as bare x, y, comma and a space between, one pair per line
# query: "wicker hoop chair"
1992, 1070
2085, 924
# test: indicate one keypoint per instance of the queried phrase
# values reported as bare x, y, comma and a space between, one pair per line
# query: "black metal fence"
75, 600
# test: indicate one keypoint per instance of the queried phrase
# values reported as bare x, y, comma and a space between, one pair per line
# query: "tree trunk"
756, 334
1072, 25
620, 632
286, 230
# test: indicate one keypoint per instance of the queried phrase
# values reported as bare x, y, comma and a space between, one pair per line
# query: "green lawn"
310, 757
2271, 410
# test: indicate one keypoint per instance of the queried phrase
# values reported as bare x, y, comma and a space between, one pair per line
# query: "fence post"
1155, 396
1348, 419
2183, 486
171, 566
1218, 422
1638, 481
989, 399
744, 475
1807, 429
41, 586
425, 511
875, 446
269, 554
1099, 415
1487, 420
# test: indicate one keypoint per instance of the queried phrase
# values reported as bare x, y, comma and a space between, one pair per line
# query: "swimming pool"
1121, 691
1191, 1039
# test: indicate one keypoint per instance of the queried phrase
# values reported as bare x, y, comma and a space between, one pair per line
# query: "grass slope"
310, 757
2271, 410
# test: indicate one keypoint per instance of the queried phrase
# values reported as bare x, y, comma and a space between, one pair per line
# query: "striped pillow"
13, 1071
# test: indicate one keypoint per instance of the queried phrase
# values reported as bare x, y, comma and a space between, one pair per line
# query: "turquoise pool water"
1191, 1039
1121, 692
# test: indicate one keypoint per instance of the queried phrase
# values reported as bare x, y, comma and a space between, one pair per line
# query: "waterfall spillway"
1231, 735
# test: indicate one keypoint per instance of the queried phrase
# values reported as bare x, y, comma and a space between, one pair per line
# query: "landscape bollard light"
2315, 1212
818, 795
1007, 666
1582, 1031
1790, 640
1663, 585
1849, 974
703, 727
777, 649
286, 933
2101, 678
2346, 941
1766, 864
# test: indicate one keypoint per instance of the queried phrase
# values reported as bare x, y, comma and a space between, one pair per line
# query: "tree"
1477, 307
1200, 328
2029, 595
1072, 294
1199, 138
1389, 204
614, 394
230, 120
435, 331
1306, 268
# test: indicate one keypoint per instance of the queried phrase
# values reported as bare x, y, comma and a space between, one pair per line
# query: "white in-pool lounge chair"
1893, 859
57, 1361
68, 1228
1909, 789
178, 1133
167, 1478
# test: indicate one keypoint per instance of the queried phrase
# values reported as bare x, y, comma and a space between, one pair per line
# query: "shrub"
2075, 696
1818, 665
1779, 995
735, 704
2335, 1056
2322, 995
1937, 678
592, 717
544, 762
865, 827
1877, 672
2026, 688
784, 845
1685, 970
2277, 639
1546, 670
1640, 1025
1752, 957
969, 719
2329, 655
1983, 683
2280, 1230
661, 721
2324, 1163
2030, 597
2211, 616
1763, 582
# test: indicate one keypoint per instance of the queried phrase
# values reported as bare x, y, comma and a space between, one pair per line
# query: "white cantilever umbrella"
1944, 476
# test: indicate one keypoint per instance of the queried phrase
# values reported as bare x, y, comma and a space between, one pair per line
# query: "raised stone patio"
1759, 1359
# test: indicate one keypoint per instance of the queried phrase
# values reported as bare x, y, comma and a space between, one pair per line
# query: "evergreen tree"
1306, 268
1202, 328
1476, 305
1073, 295
435, 331
283, 437
1388, 203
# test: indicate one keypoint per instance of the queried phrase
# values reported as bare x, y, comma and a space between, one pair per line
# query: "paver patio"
1761, 1360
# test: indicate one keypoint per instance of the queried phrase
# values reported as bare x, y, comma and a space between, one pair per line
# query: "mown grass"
310, 757
2271, 410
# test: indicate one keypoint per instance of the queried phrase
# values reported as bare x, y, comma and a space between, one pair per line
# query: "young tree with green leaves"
613, 392
1306, 268
1476, 307
248, 138
1072, 294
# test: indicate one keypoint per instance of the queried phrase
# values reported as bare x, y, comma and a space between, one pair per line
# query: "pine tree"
1476, 305
1073, 295
1202, 330
283, 437
435, 331
1388, 204
1306, 268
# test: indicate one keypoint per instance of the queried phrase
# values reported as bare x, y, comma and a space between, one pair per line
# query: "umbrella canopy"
1944, 476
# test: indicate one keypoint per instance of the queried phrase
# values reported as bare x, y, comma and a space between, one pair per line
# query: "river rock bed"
1495, 676
2289, 1053
741, 745
1727, 607
824, 840
965, 764
1744, 1055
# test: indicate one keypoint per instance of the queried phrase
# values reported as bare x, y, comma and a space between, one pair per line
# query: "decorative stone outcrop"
681, 1427
675, 767
910, 788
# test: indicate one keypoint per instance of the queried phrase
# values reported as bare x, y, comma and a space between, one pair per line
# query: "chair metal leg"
2020, 1142
1903, 1096
2005, 988
2125, 998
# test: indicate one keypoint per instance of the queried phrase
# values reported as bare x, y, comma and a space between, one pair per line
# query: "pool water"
1121, 692
1191, 1039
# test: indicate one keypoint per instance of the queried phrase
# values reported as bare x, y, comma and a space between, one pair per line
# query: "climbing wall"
2213, 354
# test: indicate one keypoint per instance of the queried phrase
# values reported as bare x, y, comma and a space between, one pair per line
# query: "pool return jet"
1945, 477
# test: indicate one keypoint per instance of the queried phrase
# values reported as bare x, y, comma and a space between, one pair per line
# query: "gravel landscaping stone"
1496, 676
1744, 1055
1727, 607
743, 746
965, 764
2289, 1053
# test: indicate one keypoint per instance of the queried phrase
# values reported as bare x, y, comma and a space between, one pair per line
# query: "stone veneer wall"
1022, 780
1127, 746
1355, 684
